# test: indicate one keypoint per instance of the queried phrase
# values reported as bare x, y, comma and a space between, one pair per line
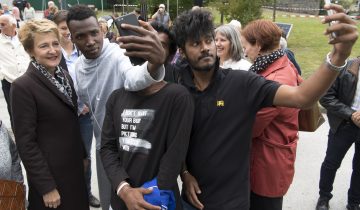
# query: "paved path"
303, 193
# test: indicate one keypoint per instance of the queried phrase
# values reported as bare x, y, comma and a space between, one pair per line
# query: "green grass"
307, 41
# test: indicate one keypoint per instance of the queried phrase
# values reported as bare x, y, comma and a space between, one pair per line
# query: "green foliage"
346, 3
242, 10
245, 11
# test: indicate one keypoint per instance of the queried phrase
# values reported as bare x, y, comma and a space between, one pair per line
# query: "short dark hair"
80, 12
60, 16
192, 24
161, 28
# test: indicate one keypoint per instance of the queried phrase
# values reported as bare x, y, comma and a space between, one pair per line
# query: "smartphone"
130, 19
330, 12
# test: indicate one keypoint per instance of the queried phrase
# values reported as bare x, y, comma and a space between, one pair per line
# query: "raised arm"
147, 46
313, 88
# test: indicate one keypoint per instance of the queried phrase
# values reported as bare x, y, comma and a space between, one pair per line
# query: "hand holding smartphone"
330, 12
130, 19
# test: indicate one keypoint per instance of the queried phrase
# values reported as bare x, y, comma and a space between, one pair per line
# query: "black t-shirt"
145, 137
219, 149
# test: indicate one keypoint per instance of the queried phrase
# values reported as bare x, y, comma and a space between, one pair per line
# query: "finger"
140, 54
189, 198
133, 39
136, 29
340, 17
345, 38
58, 202
193, 191
48, 204
340, 29
146, 190
136, 46
196, 201
337, 8
148, 206
197, 188
146, 25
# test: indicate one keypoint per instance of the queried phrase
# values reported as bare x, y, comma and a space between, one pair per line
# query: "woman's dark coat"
48, 138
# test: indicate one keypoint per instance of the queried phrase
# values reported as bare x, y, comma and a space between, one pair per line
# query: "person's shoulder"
244, 64
117, 93
243, 75
241, 79
113, 50
24, 80
176, 89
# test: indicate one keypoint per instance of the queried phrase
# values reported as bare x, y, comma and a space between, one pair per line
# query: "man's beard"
205, 68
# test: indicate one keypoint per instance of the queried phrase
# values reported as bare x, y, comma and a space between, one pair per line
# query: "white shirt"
236, 65
70, 63
14, 60
356, 101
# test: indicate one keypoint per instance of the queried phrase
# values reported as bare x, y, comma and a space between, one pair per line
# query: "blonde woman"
47, 132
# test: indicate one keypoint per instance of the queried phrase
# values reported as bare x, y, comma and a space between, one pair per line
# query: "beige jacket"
14, 60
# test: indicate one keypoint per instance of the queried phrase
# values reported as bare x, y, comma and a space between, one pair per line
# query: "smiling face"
87, 37
222, 46
47, 50
201, 54
64, 31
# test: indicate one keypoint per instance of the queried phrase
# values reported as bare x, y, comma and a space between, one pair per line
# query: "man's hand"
355, 117
52, 199
147, 45
85, 110
134, 198
192, 188
346, 34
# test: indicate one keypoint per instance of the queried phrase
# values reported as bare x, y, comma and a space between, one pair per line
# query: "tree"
242, 10
346, 3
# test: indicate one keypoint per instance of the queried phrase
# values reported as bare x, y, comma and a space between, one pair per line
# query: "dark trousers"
86, 130
258, 202
5, 85
338, 144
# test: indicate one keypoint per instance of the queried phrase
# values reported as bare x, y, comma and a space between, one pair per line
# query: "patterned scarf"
262, 62
59, 80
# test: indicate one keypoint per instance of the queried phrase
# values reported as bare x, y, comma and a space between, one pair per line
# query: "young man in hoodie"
103, 67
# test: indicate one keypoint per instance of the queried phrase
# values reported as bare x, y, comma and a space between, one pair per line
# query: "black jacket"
338, 99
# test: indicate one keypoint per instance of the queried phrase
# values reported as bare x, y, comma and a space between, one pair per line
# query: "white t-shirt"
236, 65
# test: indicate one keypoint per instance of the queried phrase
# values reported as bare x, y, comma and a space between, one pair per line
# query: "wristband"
121, 186
332, 66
